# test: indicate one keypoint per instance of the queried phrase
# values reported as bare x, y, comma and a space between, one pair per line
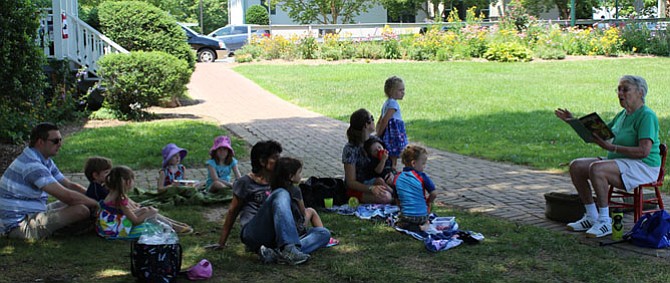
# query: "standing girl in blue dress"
390, 127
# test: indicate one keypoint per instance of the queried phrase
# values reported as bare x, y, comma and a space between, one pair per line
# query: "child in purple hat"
223, 163
172, 170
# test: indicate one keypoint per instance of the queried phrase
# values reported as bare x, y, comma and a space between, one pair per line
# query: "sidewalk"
508, 191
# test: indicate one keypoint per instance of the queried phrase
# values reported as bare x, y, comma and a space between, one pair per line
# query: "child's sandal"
184, 230
333, 242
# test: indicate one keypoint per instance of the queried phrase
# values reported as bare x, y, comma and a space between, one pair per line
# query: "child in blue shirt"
410, 185
96, 170
222, 164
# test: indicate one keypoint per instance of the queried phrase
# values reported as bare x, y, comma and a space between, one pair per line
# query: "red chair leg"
659, 199
639, 202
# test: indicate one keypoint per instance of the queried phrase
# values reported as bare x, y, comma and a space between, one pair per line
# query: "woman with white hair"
633, 157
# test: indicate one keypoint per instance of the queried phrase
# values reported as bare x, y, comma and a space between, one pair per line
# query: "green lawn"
498, 111
139, 145
369, 252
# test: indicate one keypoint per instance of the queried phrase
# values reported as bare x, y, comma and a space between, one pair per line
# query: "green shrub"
640, 39
90, 16
660, 43
257, 15
255, 51
391, 48
21, 101
549, 53
508, 52
277, 47
64, 97
140, 26
444, 54
140, 79
331, 53
474, 37
243, 58
309, 48
348, 49
542, 41
608, 43
369, 50
578, 41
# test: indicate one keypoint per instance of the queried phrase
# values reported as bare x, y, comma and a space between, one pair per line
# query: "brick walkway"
508, 191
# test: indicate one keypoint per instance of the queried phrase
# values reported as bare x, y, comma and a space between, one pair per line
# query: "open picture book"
591, 123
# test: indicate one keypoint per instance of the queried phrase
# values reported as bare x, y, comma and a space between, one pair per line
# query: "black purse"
315, 189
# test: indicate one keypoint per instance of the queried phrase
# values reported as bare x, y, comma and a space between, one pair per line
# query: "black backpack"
315, 189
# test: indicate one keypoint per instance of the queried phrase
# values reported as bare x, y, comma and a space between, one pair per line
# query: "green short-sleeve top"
629, 129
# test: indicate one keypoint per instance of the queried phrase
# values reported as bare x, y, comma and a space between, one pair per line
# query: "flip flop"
333, 242
185, 230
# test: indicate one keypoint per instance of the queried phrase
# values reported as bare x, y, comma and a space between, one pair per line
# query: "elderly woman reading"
633, 157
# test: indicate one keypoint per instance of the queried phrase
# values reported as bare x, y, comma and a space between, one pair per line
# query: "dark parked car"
208, 48
236, 36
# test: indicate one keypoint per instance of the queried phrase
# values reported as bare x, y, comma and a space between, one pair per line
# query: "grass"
498, 111
138, 145
369, 252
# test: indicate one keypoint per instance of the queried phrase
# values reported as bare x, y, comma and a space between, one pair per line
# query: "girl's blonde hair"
390, 84
116, 180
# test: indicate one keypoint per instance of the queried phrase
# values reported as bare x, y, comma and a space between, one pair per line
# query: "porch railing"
84, 45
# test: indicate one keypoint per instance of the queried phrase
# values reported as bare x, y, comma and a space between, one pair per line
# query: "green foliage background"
140, 79
214, 12
257, 15
21, 61
139, 26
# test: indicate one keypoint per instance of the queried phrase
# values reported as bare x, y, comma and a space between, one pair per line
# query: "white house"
237, 9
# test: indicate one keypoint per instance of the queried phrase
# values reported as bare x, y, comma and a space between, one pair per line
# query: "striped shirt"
21, 187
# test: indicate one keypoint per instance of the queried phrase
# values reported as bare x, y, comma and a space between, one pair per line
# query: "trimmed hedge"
257, 15
140, 26
140, 79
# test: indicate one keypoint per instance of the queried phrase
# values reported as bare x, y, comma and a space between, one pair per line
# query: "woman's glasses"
371, 119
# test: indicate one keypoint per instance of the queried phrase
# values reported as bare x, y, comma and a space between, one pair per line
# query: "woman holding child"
355, 160
267, 223
633, 157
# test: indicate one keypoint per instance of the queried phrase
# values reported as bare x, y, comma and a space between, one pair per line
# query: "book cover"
591, 123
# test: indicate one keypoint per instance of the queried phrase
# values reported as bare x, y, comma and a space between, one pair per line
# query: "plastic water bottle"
617, 224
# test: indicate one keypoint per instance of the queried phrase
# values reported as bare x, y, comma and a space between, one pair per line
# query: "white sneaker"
582, 224
600, 229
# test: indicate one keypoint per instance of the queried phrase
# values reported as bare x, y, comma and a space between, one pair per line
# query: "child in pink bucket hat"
172, 170
221, 165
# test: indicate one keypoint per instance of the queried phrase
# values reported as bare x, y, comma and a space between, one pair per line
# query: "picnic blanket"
434, 238
178, 196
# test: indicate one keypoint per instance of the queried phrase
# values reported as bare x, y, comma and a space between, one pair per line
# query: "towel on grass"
178, 196
434, 240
